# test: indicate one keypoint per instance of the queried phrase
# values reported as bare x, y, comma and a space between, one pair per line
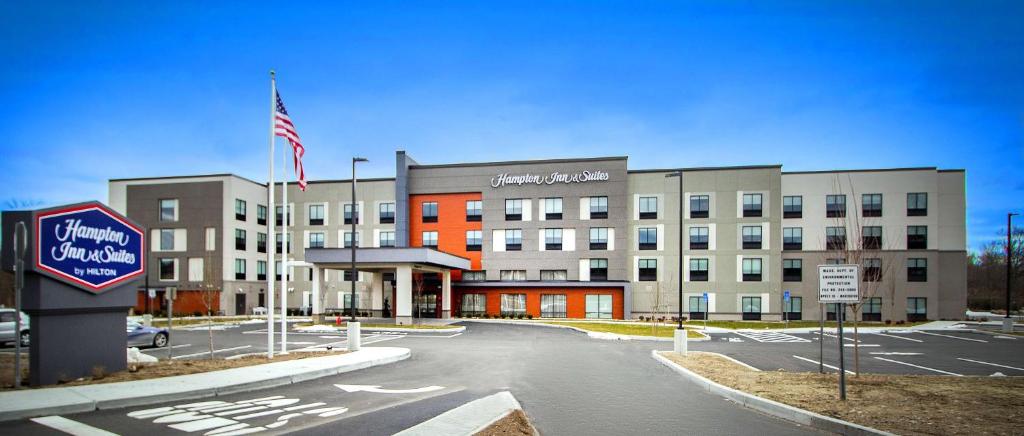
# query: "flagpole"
270, 221
284, 251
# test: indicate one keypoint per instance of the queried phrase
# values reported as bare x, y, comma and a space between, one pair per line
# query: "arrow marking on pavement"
379, 390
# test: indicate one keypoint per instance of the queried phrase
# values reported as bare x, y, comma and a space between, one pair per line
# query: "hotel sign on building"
504, 179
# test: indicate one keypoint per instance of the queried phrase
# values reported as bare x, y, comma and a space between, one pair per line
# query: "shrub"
528, 316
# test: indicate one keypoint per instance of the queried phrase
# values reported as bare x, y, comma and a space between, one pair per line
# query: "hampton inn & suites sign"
505, 179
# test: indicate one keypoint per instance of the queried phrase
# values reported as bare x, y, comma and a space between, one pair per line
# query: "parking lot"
943, 352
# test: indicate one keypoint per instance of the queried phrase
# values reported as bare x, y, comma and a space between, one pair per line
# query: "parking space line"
847, 338
898, 337
919, 366
215, 351
71, 427
992, 364
822, 364
951, 336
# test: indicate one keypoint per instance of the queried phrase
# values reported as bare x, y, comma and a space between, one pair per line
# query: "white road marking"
861, 345
993, 364
1005, 337
951, 336
895, 353
898, 337
378, 390
771, 337
183, 356
822, 364
834, 336
71, 427
919, 366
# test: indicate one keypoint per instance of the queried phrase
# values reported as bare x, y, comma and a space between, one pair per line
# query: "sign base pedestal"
1007, 325
354, 339
679, 344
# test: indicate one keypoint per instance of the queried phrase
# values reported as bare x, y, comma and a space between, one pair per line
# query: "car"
142, 336
7, 330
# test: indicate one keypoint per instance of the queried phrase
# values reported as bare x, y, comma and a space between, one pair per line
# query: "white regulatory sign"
838, 283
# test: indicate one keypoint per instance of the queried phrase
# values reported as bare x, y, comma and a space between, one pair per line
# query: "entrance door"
426, 306
239, 304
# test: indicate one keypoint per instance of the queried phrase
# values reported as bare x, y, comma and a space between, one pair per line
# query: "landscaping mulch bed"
516, 423
902, 404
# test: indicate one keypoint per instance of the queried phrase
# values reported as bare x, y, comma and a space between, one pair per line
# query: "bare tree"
418, 282
210, 294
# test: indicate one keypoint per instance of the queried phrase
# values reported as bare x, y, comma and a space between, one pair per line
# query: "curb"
591, 333
61, 400
467, 419
770, 407
459, 329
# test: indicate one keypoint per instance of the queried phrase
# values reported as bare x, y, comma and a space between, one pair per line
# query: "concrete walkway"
60, 400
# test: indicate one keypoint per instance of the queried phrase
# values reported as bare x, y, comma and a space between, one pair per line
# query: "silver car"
8, 334
142, 336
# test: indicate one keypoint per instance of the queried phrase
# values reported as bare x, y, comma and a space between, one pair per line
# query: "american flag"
283, 127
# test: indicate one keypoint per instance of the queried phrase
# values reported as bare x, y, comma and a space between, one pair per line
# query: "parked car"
142, 336
7, 330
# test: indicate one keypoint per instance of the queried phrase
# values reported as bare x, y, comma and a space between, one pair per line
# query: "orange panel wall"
575, 299
451, 225
187, 303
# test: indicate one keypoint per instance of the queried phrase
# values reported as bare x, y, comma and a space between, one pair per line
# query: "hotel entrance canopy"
376, 261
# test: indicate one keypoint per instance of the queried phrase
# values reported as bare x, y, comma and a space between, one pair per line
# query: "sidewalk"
59, 400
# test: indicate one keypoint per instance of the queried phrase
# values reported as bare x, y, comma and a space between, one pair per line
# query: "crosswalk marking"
771, 337
68, 426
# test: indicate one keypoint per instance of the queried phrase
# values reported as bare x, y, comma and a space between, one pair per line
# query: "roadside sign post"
170, 294
821, 340
705, 296
785, 313
839, 284
20, 246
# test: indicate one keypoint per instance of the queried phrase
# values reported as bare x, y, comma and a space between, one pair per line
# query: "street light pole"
352, 241
679, 174
1008, 321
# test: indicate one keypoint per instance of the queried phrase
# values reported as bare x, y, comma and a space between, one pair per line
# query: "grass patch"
769, 325
192, 321
661, 330
901, 404
411, 326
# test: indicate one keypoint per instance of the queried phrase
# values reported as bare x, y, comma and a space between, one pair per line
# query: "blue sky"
106, 89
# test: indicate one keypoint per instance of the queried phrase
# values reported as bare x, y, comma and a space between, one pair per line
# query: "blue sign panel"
89, 246
785, 295
705, 296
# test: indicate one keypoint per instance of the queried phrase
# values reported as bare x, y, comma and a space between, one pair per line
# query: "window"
429, 211
698, 307
514, 275
261, 214
346, 276
240, 209
168, 210
871, 205
239, 239
279, 240
474, 210
552, 306
647, 238
473, 276
648, 270
917, 204
277, 270
751, 308
872, 310
474, 304
648, 208
872, 237
792, 238
386, 213
752, 204
474, 240
835, 206
831, 310
278, 217
752, 237
598, 270
699, 206
513, 239
514, 209
598, 207
793, 308
553, 208
752, 270
552, 239
261, 270
598, 238
261, 242
316, 240
346, 298
698, 238
553, 275
166, 239
917, 270
599, 306
239, 269
917, 309
513, 304
872, 270
917, 237
386, 239
430, 239
835, 261
792, 270
167, 269
350, 213
347, 240
698, 270
316, 215
792, 206
835, 238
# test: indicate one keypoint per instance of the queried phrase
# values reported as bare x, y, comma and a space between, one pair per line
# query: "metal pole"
821, 340
842, 362
170, 321
20, 239
272, 210
285, 216
352, 241
680, 275
1009, 267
